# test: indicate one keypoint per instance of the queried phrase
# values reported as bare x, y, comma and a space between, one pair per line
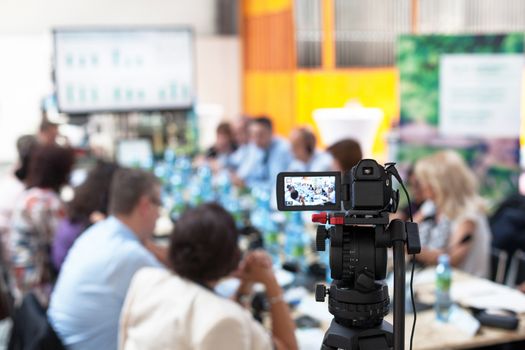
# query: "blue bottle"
223, 188
177, 190
271, 240
261, 218
443, 302
183, 167
205, 174
201, 187
295, 240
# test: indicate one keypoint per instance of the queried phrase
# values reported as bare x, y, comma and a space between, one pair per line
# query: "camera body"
367, 188
370, 188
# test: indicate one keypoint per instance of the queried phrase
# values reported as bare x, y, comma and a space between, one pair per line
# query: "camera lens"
367, 170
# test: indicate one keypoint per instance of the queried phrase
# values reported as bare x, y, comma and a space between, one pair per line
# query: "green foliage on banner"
418, 63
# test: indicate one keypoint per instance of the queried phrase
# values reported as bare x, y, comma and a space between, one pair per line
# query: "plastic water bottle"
201, 187
178, 202
443, 281
223, 188
169, 157
271, 241
295, 242
183, 166
227, 197
205, 175
262, 220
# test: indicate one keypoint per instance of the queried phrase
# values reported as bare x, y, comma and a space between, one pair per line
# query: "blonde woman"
446, 180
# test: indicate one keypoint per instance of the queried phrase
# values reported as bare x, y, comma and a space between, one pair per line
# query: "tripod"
358, 296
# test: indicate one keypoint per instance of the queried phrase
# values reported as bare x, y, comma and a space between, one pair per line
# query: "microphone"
466, 239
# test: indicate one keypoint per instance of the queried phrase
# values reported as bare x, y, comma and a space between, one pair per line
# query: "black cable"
392, 169
412, 273
413, 300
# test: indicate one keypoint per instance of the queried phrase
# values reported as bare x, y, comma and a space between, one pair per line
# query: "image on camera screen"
309, 190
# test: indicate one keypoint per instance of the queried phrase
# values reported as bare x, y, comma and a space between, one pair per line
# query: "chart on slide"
123, 70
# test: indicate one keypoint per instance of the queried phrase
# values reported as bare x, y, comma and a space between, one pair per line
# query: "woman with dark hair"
179, 310
13, 185
346, 153
225, 145
89, 205
36, 215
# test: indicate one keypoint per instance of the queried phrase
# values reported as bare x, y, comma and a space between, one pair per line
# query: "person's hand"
257, 267
236, 180
199, 161
215, 165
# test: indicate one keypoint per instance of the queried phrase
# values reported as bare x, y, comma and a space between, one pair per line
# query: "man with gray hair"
90, 291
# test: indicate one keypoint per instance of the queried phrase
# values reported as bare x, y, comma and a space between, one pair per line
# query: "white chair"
516, 274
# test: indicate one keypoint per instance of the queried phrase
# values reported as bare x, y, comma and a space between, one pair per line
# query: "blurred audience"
461, 230
35, 217
13, 184
416, 201
507, 224
179, 310
225, 145
242, 140
47, 132
346, 154
95, 276
263, 162
88, 206
306, 156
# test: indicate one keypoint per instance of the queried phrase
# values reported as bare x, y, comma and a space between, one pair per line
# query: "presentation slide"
123, 69
477, 92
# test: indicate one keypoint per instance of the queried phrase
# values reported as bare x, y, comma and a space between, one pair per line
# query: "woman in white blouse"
179, 310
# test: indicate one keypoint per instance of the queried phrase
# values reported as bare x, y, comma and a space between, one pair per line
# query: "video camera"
367, 187
359, 237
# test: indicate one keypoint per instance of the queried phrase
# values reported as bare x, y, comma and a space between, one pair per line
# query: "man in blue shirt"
267, 156
306, 156
240, 132
86, 302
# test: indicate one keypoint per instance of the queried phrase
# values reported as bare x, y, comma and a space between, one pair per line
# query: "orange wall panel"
271, 94
268, 42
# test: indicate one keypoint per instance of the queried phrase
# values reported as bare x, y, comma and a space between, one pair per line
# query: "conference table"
467, 291
461, 332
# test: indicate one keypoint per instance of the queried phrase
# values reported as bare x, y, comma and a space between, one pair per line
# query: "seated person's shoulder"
150, 274
129, 258
220, 305
228, 323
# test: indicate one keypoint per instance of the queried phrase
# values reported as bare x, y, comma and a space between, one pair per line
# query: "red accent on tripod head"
337, 220
320, 218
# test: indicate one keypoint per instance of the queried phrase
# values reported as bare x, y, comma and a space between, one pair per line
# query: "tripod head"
359, 238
